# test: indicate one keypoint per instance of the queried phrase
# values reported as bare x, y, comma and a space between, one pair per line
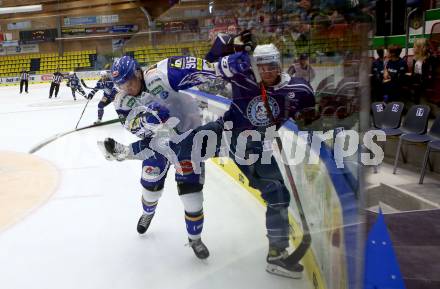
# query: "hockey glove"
233, 64
157, 113
153, 118
91, 94
112, 150
245, 41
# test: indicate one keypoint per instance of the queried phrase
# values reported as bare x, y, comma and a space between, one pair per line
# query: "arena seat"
414, 125
433, 145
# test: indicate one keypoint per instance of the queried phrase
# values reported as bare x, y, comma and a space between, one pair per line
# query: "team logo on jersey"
257, 113
131, 102
291, 95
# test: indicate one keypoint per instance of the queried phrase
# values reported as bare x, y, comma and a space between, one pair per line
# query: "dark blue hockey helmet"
123, 69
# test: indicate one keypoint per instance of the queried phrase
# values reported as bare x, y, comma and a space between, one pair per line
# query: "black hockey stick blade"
85, 85
301, 250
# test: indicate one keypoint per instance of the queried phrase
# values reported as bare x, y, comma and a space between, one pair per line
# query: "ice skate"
144, 223
98, 121
199, 248
278, 263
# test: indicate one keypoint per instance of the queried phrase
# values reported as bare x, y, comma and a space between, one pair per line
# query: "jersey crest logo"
257, 113
291, 95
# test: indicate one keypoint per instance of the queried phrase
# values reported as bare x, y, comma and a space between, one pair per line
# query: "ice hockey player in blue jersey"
144, 105
106, 85
288, 97
74, 84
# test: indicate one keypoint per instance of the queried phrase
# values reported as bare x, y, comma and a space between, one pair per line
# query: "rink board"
329, 204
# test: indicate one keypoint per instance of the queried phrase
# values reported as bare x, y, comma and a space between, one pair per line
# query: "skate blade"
279, 271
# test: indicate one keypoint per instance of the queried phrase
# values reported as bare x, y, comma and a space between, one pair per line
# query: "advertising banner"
85, 20
66, 31
19, 25
91, 20
20, 49
46, 77
9, 43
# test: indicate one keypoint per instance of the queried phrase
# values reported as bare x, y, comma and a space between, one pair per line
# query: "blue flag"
381, 269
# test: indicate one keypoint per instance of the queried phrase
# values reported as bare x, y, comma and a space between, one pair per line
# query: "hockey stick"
88, 87
59, 135
85, 85
302, 248
82, 113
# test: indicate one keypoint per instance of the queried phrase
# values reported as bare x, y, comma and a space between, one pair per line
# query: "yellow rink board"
309, 261
27, 181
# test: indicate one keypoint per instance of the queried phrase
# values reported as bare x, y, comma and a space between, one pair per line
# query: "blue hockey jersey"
107, 86
73, 81
289, 97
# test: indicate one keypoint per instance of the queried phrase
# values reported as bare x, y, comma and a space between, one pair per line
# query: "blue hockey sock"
194, 224
149, 207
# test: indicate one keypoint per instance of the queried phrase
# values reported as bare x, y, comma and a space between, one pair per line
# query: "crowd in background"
411, 80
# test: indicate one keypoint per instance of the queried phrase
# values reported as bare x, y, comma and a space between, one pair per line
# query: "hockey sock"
194, 224
100, 113
149, 207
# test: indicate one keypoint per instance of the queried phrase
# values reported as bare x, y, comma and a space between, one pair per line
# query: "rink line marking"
27, 182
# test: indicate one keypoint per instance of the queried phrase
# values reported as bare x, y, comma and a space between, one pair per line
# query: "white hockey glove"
112, 150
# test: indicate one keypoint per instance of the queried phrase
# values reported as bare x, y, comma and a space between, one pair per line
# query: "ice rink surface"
84, 236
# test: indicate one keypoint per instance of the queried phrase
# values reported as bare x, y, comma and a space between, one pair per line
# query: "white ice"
85, 235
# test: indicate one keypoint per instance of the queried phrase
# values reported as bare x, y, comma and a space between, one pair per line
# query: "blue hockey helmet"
123, 69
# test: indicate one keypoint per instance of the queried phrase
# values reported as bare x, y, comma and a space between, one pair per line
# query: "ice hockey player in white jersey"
145, 106
288, 98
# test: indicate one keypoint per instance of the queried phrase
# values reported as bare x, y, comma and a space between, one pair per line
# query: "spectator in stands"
24, 80
377, 70
55, 85
302, 68
394, 75
422, 72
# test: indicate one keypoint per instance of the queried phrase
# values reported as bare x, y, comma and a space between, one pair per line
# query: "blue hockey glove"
235, 63
156, 113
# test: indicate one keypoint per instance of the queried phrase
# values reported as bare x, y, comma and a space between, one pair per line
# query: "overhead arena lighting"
21, 9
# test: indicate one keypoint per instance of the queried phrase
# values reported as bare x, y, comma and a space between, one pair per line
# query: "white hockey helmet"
266, 54
103, 74
156, 82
